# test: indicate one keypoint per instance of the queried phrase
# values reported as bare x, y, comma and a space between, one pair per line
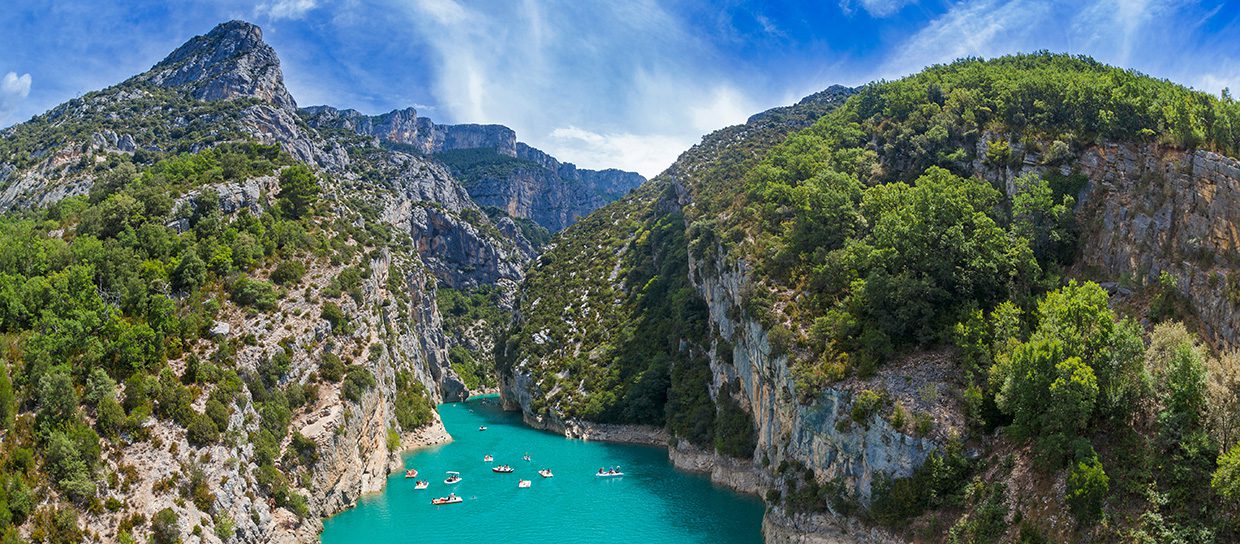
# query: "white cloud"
1119, 32
646, 154
13, 89
287, 9
623, 85
876, 8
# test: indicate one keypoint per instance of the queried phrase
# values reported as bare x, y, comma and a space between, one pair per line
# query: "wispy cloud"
13, 89
1157, 36
631, 72
876, 8
286, 9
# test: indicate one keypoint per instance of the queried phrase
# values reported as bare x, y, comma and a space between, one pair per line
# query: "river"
651, 504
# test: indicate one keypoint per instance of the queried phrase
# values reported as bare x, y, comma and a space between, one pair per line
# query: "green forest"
105, 302
871, 235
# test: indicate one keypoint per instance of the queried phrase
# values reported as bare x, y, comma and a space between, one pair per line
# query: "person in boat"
601, 471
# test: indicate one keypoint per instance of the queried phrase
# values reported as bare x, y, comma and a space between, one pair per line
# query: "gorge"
993, 301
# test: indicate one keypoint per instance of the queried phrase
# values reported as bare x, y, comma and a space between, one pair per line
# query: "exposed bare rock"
231, 61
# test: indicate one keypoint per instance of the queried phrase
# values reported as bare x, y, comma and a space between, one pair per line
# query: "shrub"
335, 316
331, 368
165, 528
1226, 479
251, 292
288, 272
299, 189
357, 381
202, 430
734, 428
865, 406
413, 404
1088, 485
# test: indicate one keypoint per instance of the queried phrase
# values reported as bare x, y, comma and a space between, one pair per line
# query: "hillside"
506, 177
221, 323
942, 308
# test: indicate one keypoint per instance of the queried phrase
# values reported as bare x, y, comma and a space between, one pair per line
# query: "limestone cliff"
421, 230
497, 170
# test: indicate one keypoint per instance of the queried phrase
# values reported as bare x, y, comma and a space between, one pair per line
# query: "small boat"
411, 473
422, 485
450, 499
502, 469
524, 483
545, 473
453, 477
482, 427
487, 458
609, 473
527, 457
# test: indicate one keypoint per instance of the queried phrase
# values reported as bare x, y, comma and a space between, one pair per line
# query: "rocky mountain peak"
230, 61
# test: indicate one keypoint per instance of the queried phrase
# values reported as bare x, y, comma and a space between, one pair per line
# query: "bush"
202, 430
1226, 479
413, 404
1088, 485
251, 292
331, 368
299, 190
335, 316
357, 382
288, 272
165, 528
734, 428
865, 406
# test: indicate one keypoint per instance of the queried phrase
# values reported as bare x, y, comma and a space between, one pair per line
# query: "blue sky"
628, 84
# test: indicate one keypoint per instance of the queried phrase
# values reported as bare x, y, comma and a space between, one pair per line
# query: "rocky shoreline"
739, 475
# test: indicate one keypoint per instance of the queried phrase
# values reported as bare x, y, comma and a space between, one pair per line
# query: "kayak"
609, 474
446, 500
482, 427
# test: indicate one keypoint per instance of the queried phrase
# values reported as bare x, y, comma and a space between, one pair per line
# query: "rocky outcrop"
231, 61
420, 133
823, 434
782, 527
1145, 209
537, 187
1149, 210
740, 475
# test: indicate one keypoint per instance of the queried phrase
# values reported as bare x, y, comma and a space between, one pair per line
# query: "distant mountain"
166, 198
507, 177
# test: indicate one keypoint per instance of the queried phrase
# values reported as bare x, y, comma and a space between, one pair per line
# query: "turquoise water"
653, 503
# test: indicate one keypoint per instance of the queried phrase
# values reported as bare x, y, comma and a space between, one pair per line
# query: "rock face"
537, 186
1153, 210
422, 134
227, 86
1145, 209
823, 435
231, 61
